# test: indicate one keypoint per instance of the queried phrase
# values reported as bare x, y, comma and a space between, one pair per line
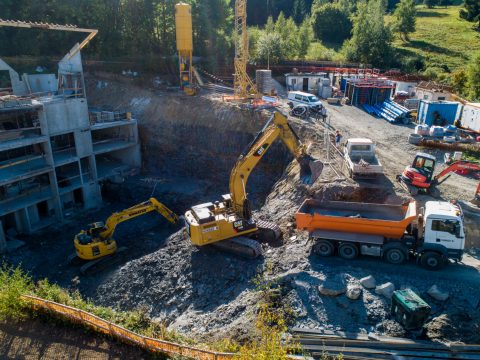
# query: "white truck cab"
303, 98
444, 228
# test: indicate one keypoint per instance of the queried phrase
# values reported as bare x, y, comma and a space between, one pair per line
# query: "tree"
331, 24
405, 18
371, 38
305, 36
430, 3
299, 11
473, 75
269, 48
459, 80
471, 11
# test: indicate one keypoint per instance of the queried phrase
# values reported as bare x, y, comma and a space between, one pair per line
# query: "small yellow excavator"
97, 246
228, 224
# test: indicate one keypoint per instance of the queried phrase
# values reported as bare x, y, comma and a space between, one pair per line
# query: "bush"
13, 284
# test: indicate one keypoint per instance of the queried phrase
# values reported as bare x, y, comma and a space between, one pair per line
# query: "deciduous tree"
405, 18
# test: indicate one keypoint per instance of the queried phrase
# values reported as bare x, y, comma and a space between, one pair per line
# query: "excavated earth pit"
189, 146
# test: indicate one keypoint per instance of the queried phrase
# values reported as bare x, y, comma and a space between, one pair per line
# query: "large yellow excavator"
97, 246
228, 223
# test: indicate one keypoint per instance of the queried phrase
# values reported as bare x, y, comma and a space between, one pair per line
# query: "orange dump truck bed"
389, 221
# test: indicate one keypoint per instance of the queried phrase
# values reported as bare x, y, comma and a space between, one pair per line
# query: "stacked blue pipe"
390, 111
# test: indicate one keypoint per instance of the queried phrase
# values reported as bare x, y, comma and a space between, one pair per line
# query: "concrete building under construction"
54, 153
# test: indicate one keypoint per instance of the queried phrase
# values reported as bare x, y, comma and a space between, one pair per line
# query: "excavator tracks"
95, 266
269, 232
241, 246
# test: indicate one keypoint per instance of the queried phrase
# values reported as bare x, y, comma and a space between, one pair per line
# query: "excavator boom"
276, 127
97, 242
456, 166
228, 224
140, 209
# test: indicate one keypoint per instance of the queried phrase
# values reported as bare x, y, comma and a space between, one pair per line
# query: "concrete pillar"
33, 214
3, 240
92, 196
56, 196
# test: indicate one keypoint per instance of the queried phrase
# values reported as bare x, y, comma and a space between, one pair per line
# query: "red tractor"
420, 176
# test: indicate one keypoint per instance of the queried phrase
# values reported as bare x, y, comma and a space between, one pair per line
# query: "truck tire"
323, 248
431, 260
395, 255
348, 251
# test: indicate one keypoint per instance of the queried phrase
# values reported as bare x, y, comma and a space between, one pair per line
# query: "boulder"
354, 292
386, 290
368, 282
437, 294
333, 286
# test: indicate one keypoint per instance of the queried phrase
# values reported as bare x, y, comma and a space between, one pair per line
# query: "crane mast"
243, 85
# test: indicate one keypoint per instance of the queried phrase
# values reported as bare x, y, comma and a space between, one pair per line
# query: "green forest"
426, 36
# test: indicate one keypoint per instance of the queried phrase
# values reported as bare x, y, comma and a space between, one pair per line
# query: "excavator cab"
425, 165
420, 174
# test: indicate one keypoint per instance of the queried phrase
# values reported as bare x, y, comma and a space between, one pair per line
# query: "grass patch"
14, 283
318, 51
441, 38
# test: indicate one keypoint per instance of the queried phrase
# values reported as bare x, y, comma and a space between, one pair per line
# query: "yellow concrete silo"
183, 26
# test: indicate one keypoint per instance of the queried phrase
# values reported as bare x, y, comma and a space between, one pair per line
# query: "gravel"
206, 293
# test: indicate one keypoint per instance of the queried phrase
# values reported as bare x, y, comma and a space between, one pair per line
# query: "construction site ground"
189, 146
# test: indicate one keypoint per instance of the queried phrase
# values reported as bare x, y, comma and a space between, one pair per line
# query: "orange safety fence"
108, 328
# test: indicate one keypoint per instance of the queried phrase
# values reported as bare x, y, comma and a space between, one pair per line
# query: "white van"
303, 98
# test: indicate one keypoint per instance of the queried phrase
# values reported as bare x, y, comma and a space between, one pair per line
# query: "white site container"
471, 116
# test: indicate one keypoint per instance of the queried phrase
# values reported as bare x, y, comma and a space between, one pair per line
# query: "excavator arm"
140, 209
276, 127
458, 165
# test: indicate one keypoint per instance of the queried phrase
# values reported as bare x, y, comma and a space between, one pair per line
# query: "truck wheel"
348, 251
432, 260
395, 256
323, 248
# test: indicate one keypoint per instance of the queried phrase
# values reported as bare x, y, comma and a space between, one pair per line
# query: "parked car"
303, 98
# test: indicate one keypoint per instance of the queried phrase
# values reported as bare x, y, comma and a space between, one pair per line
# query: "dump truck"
394, 232
361, 160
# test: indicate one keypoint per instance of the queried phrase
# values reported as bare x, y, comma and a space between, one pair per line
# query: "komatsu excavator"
97, 246
228, 223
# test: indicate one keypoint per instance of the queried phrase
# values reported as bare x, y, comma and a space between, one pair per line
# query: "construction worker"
338, 138
323, 111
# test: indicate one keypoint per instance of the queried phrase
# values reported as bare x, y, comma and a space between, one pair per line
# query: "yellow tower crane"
243, 85
184, 35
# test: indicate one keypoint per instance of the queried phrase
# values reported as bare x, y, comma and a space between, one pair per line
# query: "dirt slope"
35, 339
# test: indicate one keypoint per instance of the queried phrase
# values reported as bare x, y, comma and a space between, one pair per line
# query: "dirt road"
394, 150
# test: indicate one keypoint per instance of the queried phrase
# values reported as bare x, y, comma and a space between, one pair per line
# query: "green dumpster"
409, 309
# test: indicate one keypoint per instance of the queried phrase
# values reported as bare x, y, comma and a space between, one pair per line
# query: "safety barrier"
108, 328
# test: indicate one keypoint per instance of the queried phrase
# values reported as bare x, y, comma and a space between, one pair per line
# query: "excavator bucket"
310, 170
